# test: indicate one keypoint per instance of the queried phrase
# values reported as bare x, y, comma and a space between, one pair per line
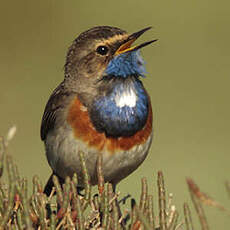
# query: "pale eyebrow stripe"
115, 38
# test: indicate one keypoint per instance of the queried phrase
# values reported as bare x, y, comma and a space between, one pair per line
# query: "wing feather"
54, 107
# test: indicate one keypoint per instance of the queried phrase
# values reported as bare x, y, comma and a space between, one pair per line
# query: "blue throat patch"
123, 111
126, 64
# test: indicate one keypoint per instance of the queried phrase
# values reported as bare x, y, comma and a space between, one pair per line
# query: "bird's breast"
122, 111
80, 121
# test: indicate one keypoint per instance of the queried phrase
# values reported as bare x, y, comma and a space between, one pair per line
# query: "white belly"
62, 153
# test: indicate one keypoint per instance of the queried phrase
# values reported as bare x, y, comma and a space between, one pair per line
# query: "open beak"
126, 45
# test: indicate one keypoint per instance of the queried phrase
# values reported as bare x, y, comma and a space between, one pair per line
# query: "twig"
87, 195
188, 217
162, 201
151, 216
144, 194
100, 174
197, 204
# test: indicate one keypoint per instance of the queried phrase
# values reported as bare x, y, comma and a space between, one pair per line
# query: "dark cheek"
96, 66
90, 70
89, 64
93, 64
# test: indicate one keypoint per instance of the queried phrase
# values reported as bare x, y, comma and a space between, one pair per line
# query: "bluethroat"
101, 107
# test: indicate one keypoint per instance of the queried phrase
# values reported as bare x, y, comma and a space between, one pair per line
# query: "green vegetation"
66, 209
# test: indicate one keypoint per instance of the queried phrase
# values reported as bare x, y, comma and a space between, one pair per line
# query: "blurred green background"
188, 81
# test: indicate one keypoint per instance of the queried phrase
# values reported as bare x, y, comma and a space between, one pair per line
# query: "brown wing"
54, 106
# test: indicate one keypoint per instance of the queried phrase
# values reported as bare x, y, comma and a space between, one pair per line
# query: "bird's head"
103, 52
103, 67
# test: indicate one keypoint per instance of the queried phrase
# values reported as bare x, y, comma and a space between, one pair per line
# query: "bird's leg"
49, 185
48, 189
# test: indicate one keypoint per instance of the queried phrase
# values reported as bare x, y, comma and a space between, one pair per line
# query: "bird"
101, 107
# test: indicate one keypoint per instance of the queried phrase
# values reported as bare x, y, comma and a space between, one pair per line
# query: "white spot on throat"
126, 98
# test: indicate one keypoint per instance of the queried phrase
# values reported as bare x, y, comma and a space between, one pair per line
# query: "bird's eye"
102, 50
